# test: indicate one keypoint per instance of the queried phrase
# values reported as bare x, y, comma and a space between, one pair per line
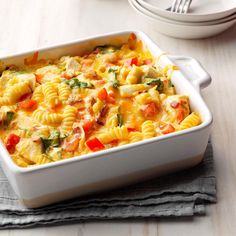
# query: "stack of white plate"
204, 19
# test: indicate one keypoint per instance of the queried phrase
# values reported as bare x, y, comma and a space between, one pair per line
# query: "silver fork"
180, 6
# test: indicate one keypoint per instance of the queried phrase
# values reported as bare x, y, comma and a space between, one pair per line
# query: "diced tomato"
31, 60
132, 36
102, 94
94, 144
131, 129
149, 109
87, 126
175, 104
25, 96
39, 78
30, 105
180, 115
147, 61
111, 97
114, 143
77, 130
133, 61
73, 144
66, 76
100, 82
166, 129
12, 140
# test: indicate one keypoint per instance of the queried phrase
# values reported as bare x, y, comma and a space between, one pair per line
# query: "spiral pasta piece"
15, 92
41, 159
112, 121
4, 101
134, 75
116, 133
50, 94
64, 91
47, 118
135, 137
143, 98
20, 161
97, 106
38, 94
69, 116
148, 129
190, 121
123, 142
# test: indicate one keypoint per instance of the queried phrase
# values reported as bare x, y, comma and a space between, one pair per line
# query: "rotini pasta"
50, 94
116, 133
135, 137
190, 121
134, 75
64, 91
46, 118
74, 105
148, 129
69, 117
15, 92
38, 94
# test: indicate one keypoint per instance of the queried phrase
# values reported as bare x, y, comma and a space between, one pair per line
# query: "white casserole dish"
41, 185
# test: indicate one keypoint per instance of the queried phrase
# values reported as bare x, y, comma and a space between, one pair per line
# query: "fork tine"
173, 6
187, 6
182, 6
178, 6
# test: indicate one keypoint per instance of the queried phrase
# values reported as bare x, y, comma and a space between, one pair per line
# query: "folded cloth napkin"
180, 194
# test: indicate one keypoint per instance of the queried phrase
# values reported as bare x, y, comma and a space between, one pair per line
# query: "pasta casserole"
51, 110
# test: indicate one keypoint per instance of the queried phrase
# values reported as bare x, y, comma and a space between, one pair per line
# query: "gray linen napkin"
180, 194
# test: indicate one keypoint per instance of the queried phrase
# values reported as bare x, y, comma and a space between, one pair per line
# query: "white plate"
151, 14
200, 10
182, 30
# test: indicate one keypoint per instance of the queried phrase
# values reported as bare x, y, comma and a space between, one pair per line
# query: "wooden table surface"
28, 24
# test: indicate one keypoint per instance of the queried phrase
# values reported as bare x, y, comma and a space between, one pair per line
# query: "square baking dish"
45, 184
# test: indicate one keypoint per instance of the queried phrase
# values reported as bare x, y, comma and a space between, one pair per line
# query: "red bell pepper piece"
147, 61
28, 105
149, 109
131, 129
94, 144
102, 94
87, 126
132, 61
66, 76
174, 104
12, 140
166, 129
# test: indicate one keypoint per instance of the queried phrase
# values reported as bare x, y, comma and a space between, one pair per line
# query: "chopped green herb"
52, 141
46, 143
75, 83
55, 137
9, 118
112, 70
120, 120
157, 82
114, 81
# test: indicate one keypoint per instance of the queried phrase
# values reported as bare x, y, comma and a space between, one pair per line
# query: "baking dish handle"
193, 71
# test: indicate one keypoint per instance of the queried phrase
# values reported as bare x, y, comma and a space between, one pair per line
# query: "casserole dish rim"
17, 169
